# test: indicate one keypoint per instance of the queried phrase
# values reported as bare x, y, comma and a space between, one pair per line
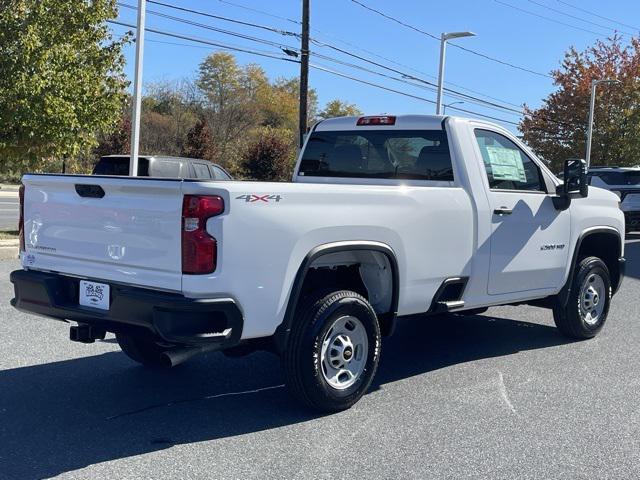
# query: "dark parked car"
161, 166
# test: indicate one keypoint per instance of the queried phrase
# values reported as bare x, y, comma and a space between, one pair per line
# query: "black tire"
143, 350
570, 319
302, 359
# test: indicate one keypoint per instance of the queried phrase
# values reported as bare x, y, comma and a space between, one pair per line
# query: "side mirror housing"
575, 183
575, 178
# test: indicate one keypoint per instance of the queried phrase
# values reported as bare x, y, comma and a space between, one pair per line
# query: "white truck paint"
436, 229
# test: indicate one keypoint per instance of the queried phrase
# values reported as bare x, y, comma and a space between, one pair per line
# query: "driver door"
529, 237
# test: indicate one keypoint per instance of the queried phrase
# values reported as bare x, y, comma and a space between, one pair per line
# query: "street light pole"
137, 90
444, 106
443, 49
592, 106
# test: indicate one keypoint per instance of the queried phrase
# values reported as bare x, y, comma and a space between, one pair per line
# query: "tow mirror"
575, 177
575, 183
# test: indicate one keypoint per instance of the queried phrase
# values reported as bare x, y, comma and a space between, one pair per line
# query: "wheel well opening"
369, 273
605, 246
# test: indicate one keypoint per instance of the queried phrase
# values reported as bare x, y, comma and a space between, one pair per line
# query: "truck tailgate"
126, 230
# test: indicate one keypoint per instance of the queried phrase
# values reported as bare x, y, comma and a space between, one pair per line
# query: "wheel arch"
602, 242
387, 318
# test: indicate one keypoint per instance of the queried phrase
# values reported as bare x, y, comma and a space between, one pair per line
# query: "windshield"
618, 178
395, 154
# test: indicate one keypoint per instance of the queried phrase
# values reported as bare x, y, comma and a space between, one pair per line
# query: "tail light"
199, 249
21, 219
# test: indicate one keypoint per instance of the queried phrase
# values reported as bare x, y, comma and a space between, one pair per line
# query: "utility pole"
137, 90
304, 72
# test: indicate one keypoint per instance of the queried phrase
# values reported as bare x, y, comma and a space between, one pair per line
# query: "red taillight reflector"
202, 206
21, 219
199, 249
378, 120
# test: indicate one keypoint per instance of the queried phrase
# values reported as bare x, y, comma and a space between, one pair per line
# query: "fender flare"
563, 295
281, 335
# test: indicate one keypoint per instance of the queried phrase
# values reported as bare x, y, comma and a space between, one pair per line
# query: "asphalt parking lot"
501, 395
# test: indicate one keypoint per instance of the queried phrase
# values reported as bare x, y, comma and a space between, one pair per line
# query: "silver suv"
624, 182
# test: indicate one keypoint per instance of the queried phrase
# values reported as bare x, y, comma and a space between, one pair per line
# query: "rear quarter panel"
262, 243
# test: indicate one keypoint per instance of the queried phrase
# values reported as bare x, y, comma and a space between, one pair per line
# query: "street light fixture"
443, 47
594, 84
444, 106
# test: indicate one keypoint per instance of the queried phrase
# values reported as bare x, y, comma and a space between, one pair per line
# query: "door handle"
503, 211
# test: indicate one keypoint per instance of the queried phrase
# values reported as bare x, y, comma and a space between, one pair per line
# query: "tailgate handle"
90, 191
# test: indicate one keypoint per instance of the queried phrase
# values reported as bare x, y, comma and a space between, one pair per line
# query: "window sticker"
506, 164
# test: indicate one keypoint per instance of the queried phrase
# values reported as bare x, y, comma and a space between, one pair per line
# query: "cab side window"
506, 165
220, 174
201, 170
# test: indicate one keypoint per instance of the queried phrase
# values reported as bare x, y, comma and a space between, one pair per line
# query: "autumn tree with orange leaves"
557, 130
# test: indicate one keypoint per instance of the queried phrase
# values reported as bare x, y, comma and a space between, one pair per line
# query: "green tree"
61, 78
270, 155
557, 130
338, 108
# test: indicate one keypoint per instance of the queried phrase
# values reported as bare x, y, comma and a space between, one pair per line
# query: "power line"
549, 19
226, 19
413, 69
344, 75
214, 29
460, 47
289, 33
207, 42
318, 67
288, 49
576, 17
597, 15
255, 10
425, 85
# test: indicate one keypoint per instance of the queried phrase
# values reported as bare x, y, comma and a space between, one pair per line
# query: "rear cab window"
120, 166
378, 154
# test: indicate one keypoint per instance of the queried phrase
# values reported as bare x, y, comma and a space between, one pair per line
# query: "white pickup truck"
386, 216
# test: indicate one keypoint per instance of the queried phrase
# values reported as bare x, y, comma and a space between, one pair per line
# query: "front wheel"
333, 351
588, 304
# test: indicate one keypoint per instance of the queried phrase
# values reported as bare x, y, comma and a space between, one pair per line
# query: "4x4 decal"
252, 197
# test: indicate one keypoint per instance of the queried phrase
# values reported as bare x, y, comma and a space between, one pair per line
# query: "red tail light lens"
378, 120
21, 219
199, 249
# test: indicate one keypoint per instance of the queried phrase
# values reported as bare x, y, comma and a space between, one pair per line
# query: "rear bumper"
171, 317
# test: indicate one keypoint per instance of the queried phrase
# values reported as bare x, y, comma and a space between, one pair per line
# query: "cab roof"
402, 122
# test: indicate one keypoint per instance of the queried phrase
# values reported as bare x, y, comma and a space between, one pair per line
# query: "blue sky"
503, 32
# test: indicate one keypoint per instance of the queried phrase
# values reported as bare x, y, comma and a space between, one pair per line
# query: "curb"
8, 253
9, 249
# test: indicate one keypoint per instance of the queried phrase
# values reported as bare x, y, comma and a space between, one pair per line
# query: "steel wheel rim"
345, 348
592, 299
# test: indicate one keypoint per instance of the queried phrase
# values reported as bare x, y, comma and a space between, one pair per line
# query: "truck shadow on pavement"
64, 416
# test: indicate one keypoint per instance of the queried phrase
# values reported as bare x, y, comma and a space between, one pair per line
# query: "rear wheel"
143, 350
333, 351
588, 304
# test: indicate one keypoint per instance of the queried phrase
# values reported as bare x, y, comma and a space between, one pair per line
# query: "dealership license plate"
93, 294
